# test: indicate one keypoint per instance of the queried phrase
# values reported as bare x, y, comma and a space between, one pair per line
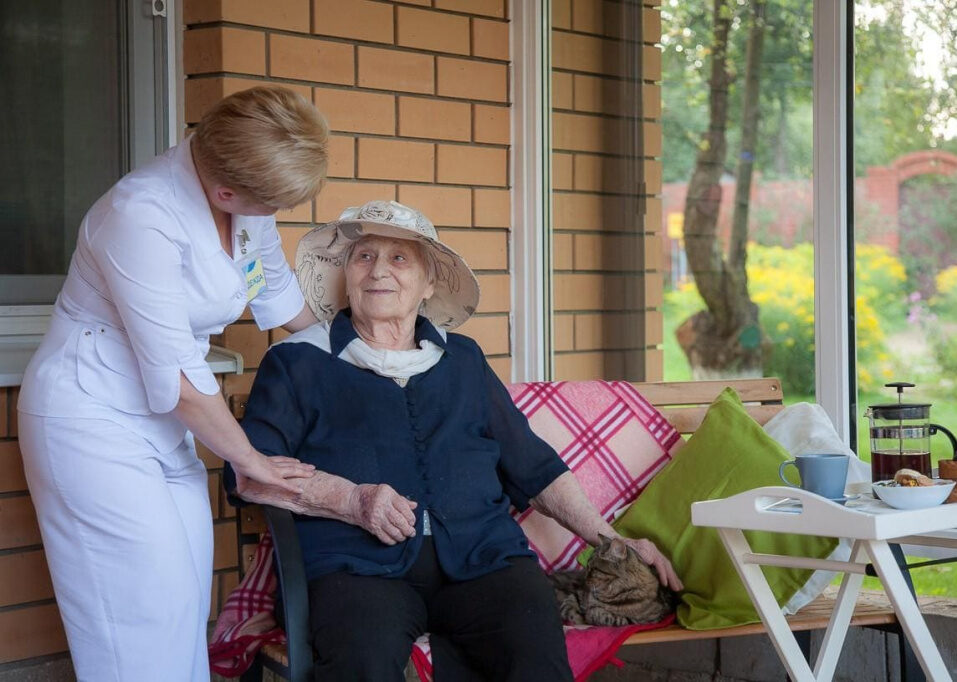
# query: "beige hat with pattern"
320, 261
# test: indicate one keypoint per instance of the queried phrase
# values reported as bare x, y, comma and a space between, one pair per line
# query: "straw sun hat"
320, 261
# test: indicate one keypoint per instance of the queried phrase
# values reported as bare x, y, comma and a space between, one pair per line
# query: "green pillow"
728, 454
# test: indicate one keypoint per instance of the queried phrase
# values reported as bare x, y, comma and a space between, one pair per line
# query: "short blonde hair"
267, 143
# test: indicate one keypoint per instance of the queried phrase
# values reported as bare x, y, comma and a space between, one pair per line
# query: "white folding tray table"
869, 524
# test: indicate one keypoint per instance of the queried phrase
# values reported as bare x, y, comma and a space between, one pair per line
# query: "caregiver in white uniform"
171, 254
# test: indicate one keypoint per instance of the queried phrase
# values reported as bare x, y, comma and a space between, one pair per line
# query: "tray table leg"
840, 617
757, 586
907, 611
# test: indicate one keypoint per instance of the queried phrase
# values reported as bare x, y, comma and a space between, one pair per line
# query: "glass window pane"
60, 133
905, 201
737, 193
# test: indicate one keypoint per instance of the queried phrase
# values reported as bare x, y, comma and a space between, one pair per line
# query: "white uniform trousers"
128, 536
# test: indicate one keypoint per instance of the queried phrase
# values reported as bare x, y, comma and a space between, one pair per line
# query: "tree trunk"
725, 339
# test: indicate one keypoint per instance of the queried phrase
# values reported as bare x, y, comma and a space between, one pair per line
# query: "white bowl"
915, 497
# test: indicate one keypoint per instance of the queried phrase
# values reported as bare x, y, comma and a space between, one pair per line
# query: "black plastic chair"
293, 604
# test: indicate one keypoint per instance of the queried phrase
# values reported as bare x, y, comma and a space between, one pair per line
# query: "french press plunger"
900, 436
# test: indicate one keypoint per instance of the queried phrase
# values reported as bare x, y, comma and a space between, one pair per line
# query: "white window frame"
531, 247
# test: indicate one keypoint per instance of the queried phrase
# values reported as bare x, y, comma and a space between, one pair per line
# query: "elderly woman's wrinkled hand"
383, 512
652, 556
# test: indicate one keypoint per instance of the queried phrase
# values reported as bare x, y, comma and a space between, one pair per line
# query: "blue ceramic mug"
822, 474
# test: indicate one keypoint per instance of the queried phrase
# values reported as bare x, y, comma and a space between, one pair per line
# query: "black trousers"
503, 626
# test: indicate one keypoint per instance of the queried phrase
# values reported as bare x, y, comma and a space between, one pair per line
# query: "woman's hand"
281, 472
650, 554
383, 512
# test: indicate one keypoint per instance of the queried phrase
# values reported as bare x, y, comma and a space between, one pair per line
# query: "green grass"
938, 580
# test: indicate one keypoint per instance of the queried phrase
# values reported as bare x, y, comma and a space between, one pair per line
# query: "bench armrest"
293, 589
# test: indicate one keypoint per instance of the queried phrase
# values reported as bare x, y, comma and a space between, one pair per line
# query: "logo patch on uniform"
255, 280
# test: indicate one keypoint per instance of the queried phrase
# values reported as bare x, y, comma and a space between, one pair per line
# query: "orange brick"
492, 124
563, 256
18, 523
651, 25
562, 171
471, 79
238, 383
490, 39
481, 249
654, 327
604, 173
562, 90
653, 215
287, 15
652, 138
654, 365
589, 292
651, 245
290, 237
298, 214
489, 332
24, 577
337, 196
311, 59
424, 3
605, 95
496, 293
396, 70
580, 132
225, 551
11, 465
433, 118
444, 206
342, 157
608, 252
561, 15
356, 19
437, 31
502, 366
578, 211
203, 93
651, 100
652, 175
491, 8
247, 340
564, 331
358, 112
591, 54
11, 396
493, 207
30, 632
278, 334
609, 331
396, 160
207, 50
615, 20
465, 165
586, 366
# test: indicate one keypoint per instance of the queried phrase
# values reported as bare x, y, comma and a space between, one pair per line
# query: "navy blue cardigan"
451, 439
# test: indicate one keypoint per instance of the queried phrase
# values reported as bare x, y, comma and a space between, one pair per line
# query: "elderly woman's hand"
383, 512
650, 554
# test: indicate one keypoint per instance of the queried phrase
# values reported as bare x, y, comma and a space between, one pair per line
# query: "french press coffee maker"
900, 436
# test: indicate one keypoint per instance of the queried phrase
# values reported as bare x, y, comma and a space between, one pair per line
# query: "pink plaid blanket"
611, 438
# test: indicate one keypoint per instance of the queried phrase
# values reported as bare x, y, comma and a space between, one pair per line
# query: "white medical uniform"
121, 497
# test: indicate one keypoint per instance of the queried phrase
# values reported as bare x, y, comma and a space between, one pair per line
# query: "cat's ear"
617, 548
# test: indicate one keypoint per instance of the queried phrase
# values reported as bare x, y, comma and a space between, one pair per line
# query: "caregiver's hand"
282, 472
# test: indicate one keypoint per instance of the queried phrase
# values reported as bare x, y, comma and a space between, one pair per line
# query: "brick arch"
925, 162
881, 186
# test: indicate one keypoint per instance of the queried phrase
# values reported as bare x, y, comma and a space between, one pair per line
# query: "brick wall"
606, 177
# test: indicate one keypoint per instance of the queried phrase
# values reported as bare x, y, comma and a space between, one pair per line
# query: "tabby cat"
616, 588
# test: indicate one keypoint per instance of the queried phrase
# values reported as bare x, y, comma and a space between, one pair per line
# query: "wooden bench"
684, 404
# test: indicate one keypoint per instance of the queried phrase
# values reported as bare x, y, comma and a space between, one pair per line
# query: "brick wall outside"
607, 241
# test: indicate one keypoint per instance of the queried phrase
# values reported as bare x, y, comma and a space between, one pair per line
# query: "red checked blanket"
611, 438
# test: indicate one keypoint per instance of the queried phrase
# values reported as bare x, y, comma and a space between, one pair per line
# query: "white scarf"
395, 364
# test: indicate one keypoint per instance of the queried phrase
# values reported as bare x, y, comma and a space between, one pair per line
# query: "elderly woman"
419, 453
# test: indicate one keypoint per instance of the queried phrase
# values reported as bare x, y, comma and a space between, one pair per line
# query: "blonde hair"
269, 144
